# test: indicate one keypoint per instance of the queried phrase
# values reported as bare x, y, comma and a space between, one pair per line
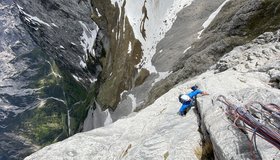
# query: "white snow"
124, 25
18, 6
83, 64
53, 24
133, 99
30, 18
93, 80
210, 18
88, 39
75, 77
108, 119
98, 14
161, 16
97, 118
123, 92
36, 19
129, 48
73, 43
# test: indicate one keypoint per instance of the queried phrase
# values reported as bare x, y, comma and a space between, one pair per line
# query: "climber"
188, 99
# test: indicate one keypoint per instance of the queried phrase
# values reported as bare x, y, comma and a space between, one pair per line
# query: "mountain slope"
158, 132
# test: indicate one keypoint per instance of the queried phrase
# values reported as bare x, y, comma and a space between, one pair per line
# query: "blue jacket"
194, 93
187, 104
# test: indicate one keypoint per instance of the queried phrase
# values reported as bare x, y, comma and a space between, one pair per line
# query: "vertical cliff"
49, 63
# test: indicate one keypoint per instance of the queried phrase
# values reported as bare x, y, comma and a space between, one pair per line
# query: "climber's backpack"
184, 98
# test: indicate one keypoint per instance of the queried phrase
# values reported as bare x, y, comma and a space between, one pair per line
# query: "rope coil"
270, 132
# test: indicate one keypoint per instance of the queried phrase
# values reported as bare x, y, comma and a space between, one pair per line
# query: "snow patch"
129, 48
124, 25
98, 14
210, 18
133, 99
125, 91
88, 39
161, 14
76, 78
97, 118
83, 64
30, 18
108, 119
93, 80
19, 7
53, 24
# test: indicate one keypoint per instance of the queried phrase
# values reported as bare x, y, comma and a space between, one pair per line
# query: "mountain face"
44, 73
158, 132
72, 66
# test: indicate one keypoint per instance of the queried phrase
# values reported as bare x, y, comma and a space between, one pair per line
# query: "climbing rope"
257, 119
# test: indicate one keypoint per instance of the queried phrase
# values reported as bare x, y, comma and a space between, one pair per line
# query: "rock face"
158, 132
47, 61
20, 61
169, 50
242, 82
228, 29
65, 31
124, 53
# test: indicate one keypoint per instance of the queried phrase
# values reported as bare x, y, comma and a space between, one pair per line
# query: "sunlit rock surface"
242, 79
